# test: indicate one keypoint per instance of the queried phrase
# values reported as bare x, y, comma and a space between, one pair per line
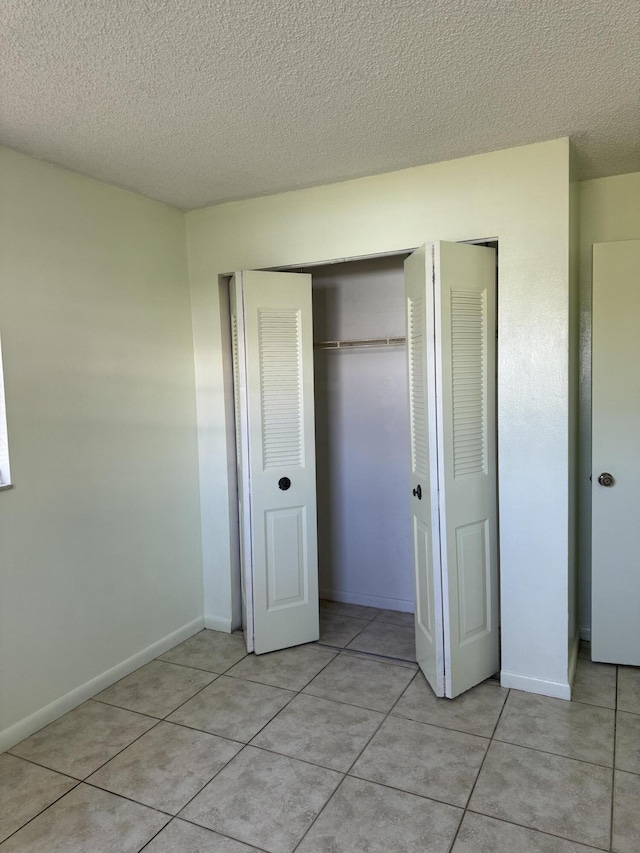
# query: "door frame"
224, 280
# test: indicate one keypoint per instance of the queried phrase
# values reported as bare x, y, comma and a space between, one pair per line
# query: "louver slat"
281, 387
236, 379
468, 318
417, 383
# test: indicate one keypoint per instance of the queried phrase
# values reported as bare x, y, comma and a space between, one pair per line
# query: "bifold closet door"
273, 383
451, 324
615, 536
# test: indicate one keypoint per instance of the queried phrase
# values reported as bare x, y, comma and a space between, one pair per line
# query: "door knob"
606, 479
284, 483
417, 492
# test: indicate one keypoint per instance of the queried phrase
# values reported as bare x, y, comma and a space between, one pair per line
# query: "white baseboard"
557, 689
34, 722
585, 634
368, 600
218, 623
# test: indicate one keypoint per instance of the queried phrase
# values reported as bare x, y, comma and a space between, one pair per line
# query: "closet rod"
362, 342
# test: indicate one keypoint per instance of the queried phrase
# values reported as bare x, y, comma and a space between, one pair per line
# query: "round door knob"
606, 479
417, 492
284, 483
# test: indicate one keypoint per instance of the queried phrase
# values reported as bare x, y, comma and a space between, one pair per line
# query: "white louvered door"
460, 294
424, 504
276, 452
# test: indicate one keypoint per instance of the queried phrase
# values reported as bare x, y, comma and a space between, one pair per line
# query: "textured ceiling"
198, 101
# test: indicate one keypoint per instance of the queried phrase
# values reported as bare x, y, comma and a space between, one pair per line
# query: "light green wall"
520, 196
609, 211
100, 537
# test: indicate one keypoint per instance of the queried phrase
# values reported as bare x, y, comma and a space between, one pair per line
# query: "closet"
403, 437
362, 434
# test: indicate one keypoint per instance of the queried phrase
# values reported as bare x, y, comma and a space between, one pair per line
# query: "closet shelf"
361, 342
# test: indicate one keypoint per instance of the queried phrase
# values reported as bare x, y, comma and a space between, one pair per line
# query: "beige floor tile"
595, 684
422, 759
233, 708
320, 731
628, 743
366, 818
551, 793
82, 740
337, 630
396, 617
381, 638
182, 837
626, 813
166, 767
475, 712
25, 790
629, 689
264, 799
213, 651
362, 682
342, 609
481, 834
289, 668
156, 689
88, 821
584, 732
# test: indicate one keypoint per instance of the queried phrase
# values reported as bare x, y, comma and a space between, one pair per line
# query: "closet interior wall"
362, 435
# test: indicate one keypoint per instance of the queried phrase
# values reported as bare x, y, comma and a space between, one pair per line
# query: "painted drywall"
362, 436
609, 210
100, 536
520, 196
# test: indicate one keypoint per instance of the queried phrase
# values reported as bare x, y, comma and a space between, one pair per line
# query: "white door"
425, 522
452, 378
273, 366
615, 593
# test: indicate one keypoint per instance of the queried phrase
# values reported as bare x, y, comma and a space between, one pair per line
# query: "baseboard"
557, 689
218, 623
585, 634
367, 600
34, 722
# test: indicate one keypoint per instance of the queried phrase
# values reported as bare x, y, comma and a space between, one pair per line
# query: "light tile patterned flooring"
330, 748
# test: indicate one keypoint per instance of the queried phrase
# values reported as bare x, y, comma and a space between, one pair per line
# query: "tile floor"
328, 748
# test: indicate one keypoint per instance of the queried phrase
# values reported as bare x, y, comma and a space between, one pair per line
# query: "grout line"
128, 799
200, 790
475, 782
377, 656
556, 754
534, 830
317, 817
248, 844
198, 668
613, 775
46, 808
95, 770
393, 707
153, 837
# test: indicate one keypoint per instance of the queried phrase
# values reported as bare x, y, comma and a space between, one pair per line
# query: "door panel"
615, 625
281, 458
465, 318
424, 501
242, 455
451, 324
